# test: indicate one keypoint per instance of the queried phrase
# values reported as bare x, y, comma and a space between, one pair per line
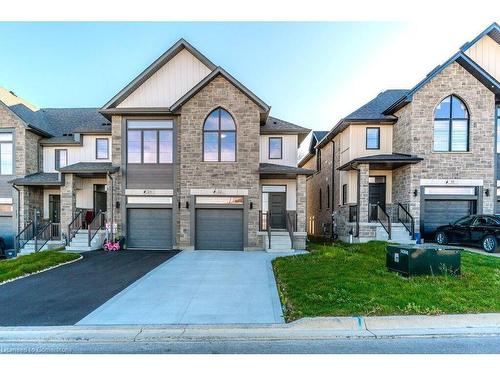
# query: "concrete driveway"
198, 287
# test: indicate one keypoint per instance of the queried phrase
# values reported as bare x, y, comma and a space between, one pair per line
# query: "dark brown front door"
277, 208
55, 208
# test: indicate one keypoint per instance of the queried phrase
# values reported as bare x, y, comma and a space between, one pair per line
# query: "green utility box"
415, 260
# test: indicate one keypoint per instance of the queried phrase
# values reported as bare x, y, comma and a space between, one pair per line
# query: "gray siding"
150, 176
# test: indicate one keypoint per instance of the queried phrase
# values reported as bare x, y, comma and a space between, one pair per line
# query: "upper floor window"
318, 159
451, 125
372, 138
102, 148
61, 158
6, 154
149, 141
344, 194
219, 136
275, 148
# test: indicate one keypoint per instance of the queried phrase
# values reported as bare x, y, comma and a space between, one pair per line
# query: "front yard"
27, 264
351, 280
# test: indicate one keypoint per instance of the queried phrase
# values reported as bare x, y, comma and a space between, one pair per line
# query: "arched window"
451, 125
219, 136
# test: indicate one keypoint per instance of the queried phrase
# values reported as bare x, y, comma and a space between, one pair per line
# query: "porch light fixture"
415, 192
187, 204
117, 205
251, 205
487, 192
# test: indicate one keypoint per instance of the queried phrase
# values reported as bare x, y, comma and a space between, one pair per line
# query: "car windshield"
464, 220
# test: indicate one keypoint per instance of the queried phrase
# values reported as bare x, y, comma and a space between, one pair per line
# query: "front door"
277, 209
376, 195
55, 208
100, 198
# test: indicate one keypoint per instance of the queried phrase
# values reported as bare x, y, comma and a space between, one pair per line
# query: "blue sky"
310, 73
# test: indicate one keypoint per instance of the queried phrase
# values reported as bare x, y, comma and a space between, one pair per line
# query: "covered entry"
219, 223
149, 228
442, 205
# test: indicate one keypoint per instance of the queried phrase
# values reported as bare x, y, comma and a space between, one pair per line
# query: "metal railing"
405, 218
24, 236
74, 226
268, 226
43, 236
384, 219
55, 233
96, 224
290, 224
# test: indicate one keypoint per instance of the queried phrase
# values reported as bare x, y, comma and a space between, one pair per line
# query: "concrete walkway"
198, 287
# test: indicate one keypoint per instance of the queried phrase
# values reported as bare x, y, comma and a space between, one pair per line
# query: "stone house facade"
411, 160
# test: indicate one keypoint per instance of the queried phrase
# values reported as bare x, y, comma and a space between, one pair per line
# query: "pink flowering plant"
112, 246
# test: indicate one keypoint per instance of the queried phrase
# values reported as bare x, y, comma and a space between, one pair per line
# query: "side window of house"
219, 136
372, 138
102, 148
6, 154
451, 125
318, 159
344, 194
328, 196
149, 141
319, 197
275, 148
61, 158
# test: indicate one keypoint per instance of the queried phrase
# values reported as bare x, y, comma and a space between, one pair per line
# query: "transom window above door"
150, 141
451, 125
219, 136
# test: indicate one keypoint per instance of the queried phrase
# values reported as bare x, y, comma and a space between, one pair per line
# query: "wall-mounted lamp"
179, 204
251, 205
487, 192
415, 192
117, 204
187, 204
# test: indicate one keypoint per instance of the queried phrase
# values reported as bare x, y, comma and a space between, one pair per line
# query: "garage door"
219, 229
442, 212
149, 228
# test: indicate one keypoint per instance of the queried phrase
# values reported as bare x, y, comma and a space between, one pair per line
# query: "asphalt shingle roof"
89, 167
268, 168
373, 110
275, 125
40, 178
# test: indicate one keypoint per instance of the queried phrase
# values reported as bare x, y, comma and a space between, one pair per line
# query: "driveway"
198, 287
66, 294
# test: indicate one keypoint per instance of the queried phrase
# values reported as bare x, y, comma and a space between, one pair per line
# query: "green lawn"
23, 265
346, 280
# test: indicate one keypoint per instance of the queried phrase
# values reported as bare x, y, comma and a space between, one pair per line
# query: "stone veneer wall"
68, 200
242, 174
320, 180
415, 128
118, 178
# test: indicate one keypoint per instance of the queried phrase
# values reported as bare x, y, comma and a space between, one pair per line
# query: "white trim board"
218, 192
451, 182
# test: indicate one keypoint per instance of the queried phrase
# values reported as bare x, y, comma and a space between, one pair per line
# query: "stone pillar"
31, 200
364, 174
300, 236
68, 201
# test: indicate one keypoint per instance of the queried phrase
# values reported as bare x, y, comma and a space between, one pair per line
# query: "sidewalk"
307, 328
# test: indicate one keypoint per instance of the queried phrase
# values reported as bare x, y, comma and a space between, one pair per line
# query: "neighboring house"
184, 157
411, 160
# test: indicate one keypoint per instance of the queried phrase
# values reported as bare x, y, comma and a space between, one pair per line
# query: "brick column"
301, 203
364, 174
68, 201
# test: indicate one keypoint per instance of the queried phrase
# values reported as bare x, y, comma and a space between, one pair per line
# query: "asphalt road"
65, 295
429, 345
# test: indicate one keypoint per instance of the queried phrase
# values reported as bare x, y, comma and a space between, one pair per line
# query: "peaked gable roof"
274, 125
307, 148
493, 31
205, 81
154, 67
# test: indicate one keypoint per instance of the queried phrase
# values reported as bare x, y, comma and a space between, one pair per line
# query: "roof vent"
274, 122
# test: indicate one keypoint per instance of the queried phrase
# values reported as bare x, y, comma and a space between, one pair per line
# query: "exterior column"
31, 201
300, 235
68, 202
364, 174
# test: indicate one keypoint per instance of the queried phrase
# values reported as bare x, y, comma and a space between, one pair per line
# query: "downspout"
18, 208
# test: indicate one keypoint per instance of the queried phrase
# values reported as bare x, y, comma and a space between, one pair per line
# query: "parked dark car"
476, 230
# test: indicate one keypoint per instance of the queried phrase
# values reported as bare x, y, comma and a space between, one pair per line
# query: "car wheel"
441, 238
490, 244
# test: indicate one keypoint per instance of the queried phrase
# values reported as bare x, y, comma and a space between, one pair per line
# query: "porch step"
79, 243
399, 234
29, 248
280, 242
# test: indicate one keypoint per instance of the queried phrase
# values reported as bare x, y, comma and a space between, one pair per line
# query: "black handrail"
289, 227
96, 224
44, 234
74, 226
411, 220
28, 232
268, 226
387, 226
